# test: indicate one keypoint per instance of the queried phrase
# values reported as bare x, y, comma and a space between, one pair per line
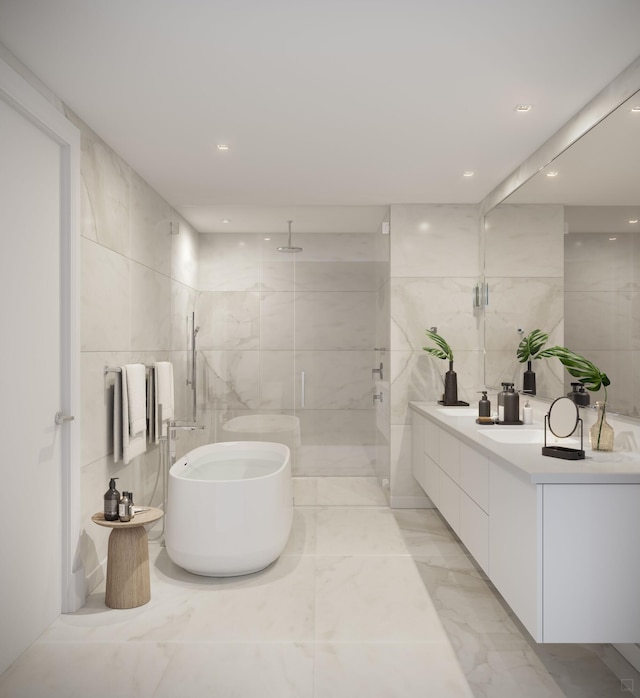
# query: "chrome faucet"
172, 426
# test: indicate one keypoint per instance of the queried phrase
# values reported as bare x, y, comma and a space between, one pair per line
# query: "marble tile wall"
434, 265
602, 307
266, 317
524, 269
138, 286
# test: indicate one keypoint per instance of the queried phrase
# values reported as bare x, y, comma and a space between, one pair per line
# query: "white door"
34, 366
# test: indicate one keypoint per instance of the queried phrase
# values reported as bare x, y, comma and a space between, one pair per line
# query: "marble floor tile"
358, 531
302, 540
373, 599
275, 605
305, 491
505, 674
496, 653
351, 491
102, 670
364, 601
381, 670
239, 670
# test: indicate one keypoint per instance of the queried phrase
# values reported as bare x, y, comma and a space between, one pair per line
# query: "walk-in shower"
287, 342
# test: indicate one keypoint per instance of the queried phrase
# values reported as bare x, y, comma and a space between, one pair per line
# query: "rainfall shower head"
288, 247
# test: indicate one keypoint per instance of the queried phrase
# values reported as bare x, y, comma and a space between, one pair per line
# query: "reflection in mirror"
563, 417
562, 254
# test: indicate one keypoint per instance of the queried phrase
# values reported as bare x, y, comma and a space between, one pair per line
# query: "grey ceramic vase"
450, 386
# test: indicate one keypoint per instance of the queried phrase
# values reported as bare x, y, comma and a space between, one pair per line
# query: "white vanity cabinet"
561, 544
456, 479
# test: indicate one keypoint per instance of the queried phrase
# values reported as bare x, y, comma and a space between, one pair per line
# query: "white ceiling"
335, 103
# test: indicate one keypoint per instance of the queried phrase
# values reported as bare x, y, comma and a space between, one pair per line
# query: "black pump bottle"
111, 500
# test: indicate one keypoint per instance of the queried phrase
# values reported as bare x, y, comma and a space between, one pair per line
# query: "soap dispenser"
111, 500
124, 510
501, 401
484, 410
511, 406
582, 397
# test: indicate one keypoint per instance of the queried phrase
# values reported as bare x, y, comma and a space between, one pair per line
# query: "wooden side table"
128, 583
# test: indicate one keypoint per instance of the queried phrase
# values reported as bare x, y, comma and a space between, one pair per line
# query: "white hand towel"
164, 394
132, 445
137, 398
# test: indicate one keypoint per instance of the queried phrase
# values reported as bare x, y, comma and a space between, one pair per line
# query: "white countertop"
616, 467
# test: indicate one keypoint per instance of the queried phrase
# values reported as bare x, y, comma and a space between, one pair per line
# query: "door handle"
62, 418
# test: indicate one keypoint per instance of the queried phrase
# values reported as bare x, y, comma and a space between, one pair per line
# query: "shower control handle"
378, 371
62, 418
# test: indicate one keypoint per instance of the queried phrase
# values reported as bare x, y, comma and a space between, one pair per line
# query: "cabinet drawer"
431, 440
474, 530
474, 476
449, 504
417, 447
431, 484
449, 456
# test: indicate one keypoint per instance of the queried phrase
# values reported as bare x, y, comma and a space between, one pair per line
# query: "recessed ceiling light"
223, 146
633, 220
468, 173
225, 220
523, 107
267, 239
613, 238
553, 173
636, 108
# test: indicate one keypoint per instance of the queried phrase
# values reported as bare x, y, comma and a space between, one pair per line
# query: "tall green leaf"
577, 366
530, 345
442, 350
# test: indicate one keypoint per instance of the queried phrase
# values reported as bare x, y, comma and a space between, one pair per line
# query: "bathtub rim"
279, 447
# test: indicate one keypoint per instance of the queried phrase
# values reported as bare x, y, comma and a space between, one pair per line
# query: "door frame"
18, 92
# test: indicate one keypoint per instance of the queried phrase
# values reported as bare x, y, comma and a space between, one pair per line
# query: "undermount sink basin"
506, 435
459, 411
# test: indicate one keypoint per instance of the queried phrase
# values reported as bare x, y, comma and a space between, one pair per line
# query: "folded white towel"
137, 398
132, 445
164, 394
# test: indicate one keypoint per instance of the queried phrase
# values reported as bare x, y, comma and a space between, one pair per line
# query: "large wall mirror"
562, 254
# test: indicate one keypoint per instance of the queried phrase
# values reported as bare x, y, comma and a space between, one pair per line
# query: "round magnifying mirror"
563, 417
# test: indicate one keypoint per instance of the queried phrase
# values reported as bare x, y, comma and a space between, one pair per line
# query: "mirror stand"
562, 420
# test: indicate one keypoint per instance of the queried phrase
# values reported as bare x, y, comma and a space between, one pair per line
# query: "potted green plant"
443, 351
601, 433
529, 350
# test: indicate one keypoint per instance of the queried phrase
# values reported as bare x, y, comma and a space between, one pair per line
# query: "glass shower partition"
287, 344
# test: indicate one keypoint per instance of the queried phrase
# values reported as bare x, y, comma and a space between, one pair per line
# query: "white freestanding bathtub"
229, 507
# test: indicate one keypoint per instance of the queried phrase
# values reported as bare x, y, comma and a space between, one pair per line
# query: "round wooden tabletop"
140, 519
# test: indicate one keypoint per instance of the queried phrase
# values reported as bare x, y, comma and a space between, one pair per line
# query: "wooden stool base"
128, 583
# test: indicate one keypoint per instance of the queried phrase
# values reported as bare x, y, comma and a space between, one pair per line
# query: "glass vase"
601, 433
